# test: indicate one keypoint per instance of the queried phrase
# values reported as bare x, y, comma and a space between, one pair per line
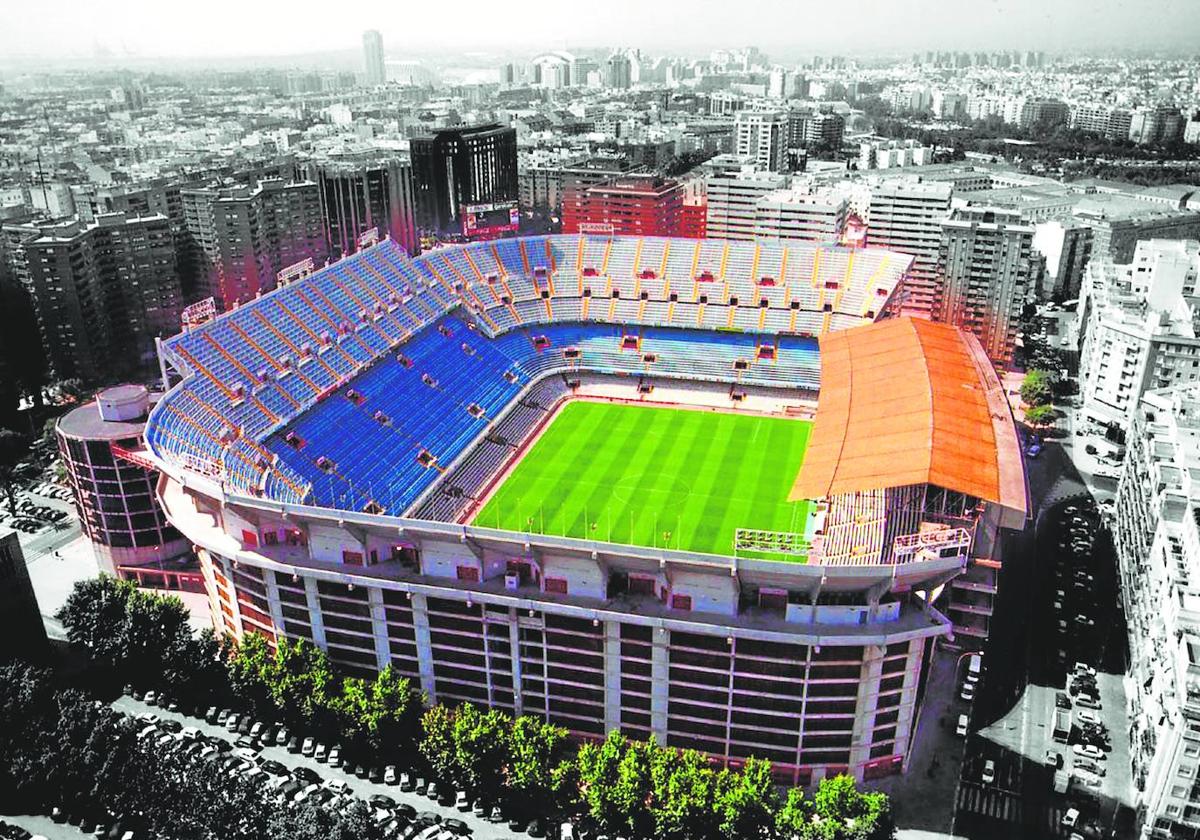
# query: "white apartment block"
805, 213
1157, 536
1138, 328
762, 137
733, 198
907, 216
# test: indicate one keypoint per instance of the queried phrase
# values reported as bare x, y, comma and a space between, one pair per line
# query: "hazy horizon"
142, 30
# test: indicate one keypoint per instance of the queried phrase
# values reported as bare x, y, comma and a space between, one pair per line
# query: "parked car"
462, 802
306, 774
335, 756
1053, 759
1061, 700
308, 747
1088, 716
1071, 818
968, 692
989, 772
231, 722
963, 724
390, 776
1089, 751
1081, 668
212, 714
1090, 766
319, 752
282, 736
1087, 701
151, 697
407, 783
337, 785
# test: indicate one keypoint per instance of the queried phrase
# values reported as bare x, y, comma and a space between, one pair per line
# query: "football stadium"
714, 492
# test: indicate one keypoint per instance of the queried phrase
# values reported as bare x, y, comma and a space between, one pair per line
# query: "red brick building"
646, 205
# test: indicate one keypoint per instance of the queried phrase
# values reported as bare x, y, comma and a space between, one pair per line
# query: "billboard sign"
484, 220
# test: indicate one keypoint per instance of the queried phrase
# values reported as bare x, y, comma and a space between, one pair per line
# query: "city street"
481, 829
1055, 607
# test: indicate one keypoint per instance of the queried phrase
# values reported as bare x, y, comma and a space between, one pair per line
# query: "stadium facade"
326, 445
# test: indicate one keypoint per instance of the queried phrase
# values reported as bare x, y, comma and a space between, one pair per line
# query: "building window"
556, 585
681, 602
468, 573
352, 558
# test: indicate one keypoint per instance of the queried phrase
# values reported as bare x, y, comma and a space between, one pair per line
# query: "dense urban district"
601, 444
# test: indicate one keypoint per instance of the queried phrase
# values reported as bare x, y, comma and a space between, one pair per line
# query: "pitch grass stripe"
731, 450
695, 457
573, 493
627, 477
699, 534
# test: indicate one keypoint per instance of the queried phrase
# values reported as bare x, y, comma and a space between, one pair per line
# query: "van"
974, 667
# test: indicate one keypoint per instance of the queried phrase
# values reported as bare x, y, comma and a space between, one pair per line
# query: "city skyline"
138, 30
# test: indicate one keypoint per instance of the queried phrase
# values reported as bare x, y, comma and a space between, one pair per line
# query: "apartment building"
762, 136
907, 216
248, 235
988, 271
1137, 329
733, 196
103, 292
802, 212
1157, 537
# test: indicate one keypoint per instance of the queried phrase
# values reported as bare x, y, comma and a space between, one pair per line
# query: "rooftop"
908, 401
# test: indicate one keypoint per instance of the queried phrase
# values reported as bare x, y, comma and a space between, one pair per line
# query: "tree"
301, 682
598, 767
249, 665
380, 715
840, 811
94, 617
1040, 415
26, 698
794, 819
747, 801
153, 625
534, 775
684, 795
13, 448
481, 749
437, 741
1035, 389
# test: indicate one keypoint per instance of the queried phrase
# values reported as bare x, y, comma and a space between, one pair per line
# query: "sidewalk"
923, 798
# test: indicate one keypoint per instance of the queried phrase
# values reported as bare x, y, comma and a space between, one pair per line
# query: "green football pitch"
642, 475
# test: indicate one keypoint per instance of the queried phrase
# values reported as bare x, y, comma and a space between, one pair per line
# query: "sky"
229, 28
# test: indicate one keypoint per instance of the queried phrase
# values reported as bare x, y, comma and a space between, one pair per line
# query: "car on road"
1088, 716
1083, 621
963, 724
1071, 818
989, 772
1088, 751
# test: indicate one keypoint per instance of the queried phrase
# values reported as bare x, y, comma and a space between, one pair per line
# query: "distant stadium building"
349, 454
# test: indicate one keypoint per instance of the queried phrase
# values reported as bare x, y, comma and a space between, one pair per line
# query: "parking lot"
38, 508
335, 778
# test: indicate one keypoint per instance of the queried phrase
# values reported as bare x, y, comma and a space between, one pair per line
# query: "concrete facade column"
226, 566
864, 716
612, 675
908, 698
514, 641
383, 650
660, 663
273, 606
314, 612
420, 612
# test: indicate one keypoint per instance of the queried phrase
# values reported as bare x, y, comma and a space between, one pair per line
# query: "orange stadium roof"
907, 401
